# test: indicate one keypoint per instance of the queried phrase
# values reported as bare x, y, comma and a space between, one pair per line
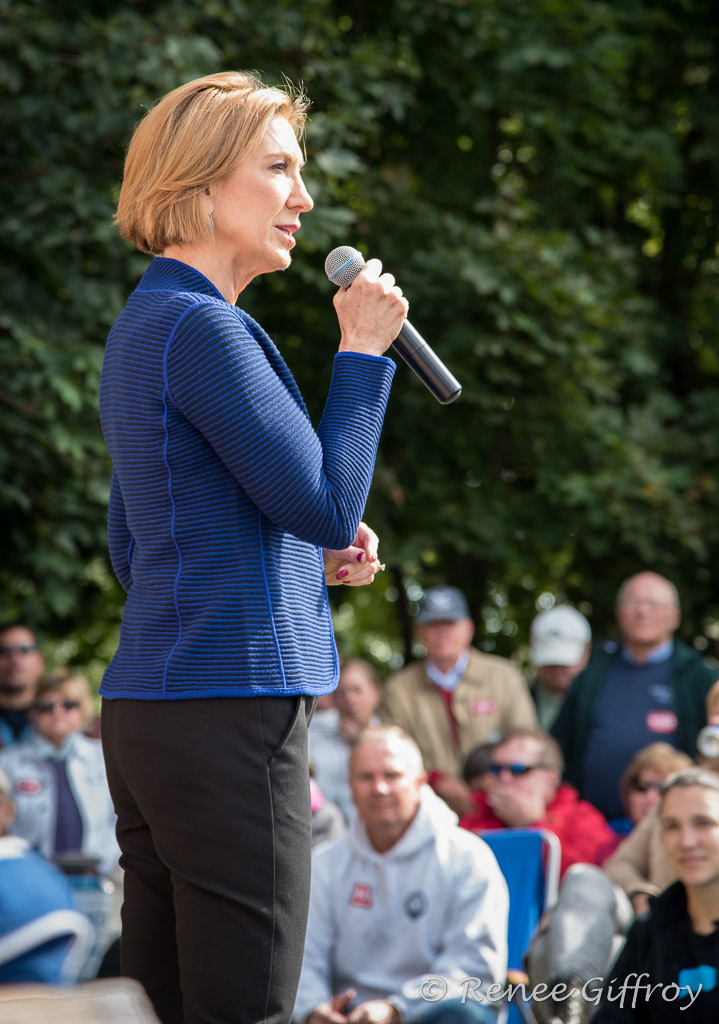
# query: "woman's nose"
686, 837
301, 197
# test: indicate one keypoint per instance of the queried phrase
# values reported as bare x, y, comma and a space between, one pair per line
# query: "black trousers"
213, 806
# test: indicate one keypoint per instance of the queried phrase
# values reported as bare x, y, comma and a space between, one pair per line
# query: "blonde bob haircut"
193, 137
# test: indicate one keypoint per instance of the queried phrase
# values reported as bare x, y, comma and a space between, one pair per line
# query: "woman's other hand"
370, 312
356, 565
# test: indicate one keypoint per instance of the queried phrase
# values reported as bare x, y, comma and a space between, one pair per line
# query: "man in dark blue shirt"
649, 687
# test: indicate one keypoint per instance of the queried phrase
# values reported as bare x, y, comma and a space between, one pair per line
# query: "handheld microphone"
708, 741
342, 266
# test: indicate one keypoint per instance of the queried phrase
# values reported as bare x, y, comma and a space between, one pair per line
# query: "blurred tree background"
541, 177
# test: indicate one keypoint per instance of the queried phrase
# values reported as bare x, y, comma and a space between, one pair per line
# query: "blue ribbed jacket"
223, 495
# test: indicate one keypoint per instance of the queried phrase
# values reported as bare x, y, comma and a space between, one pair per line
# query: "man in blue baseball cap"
455, 698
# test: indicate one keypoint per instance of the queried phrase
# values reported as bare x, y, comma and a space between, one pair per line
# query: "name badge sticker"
663, 722
30, 787
361, 895
483, 706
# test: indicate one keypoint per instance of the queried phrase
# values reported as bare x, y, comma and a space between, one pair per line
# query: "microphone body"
342, 266
708, 741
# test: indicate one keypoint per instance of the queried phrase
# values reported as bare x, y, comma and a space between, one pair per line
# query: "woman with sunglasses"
58, 777
639, 865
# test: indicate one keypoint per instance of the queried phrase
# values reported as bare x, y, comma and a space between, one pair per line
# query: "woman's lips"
288, 230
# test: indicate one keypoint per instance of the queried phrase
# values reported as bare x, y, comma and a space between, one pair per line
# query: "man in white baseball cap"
560, 640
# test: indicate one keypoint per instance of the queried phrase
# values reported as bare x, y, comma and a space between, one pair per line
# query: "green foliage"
540, 176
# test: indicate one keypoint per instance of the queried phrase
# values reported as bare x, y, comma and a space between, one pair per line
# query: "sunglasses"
8, 649
645, 787
514, 769
47, 707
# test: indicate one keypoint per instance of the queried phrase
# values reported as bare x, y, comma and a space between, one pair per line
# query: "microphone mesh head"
343, 265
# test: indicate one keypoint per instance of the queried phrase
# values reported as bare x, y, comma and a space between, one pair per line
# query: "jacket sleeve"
474, 941
312, 484
315, 985
628, 867
120, 539
34, 819
585, 833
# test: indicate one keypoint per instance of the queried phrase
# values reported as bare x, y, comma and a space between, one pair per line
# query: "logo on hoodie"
361, 895
416, 904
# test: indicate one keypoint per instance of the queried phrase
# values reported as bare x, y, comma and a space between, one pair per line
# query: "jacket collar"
172, 275
433, 817
670, 906
45, 751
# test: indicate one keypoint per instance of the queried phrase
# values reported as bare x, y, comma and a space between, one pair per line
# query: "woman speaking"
229, 515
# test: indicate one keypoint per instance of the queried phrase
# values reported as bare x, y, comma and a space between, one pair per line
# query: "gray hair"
552, 756
393, 736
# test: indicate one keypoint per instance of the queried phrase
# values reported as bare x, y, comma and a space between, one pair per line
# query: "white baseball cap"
559, 636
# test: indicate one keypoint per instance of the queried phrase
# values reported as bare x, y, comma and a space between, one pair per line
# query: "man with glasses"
21, 665
646, 688
522, 788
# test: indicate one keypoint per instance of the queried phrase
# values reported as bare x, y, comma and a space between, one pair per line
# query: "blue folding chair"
530, 862
43, 938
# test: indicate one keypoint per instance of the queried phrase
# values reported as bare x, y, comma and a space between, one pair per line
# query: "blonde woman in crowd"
58, 777
639, 865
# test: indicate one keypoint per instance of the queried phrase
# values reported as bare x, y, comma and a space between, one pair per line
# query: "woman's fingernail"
360, 556
342, 573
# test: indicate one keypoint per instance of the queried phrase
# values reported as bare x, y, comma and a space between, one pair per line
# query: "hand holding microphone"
344, 266
708, 741
372, 312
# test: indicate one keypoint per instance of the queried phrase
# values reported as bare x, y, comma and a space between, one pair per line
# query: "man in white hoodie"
408, 912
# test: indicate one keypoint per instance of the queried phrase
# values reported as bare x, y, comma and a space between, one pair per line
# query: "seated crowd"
583, 750
55, 804
409, 909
